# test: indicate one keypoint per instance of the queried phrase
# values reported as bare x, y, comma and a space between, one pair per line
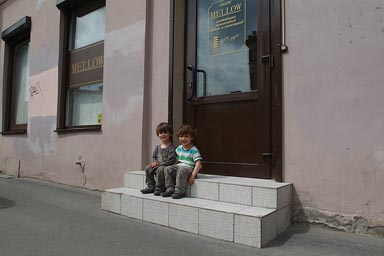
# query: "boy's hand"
191, 179
154, 164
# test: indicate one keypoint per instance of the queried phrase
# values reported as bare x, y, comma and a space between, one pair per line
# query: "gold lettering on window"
226, 26
226, 11
87, 65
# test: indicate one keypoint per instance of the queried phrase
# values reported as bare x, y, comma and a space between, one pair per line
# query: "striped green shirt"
188, 157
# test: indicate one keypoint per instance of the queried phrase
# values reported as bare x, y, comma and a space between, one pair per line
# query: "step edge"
205, 204
229, 180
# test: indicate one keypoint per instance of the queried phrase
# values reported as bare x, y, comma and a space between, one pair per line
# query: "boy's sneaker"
147, 190
157, 192
167, 193
178, 195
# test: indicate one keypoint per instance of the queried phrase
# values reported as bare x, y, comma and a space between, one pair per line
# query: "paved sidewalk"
39, 218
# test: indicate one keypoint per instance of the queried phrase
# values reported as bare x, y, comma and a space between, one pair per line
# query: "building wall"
135, 97
334, 109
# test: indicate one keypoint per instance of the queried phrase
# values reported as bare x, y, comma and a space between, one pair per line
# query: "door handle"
192, 85
204, 80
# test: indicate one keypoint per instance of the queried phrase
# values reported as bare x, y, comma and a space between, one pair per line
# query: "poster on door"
226, 26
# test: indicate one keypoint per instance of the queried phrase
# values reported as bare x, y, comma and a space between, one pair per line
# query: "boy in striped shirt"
189, 164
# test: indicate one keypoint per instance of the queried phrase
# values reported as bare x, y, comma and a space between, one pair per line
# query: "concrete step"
239, 223
245, 191
242, 210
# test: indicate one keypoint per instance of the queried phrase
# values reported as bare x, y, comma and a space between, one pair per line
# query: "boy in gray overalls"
163, 155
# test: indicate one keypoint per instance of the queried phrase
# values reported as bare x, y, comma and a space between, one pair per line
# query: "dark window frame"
15, 35
67, 8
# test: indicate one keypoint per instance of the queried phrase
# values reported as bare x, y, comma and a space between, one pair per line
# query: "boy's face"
185, 140
164, 137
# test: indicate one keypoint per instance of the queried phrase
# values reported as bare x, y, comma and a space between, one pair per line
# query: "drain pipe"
284, 47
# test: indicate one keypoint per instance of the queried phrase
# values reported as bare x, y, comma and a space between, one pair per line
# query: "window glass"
84, 91
90, 28
16, 76
223, 54
20, 83
84, 104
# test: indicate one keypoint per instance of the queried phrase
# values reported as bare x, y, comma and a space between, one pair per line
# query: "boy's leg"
182, 181
170, 180
160, 180
149, 180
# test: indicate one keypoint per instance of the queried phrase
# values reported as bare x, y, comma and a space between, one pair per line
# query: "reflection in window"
90, 28
20, 83
222, 30
84, 88
84, 104
16, 76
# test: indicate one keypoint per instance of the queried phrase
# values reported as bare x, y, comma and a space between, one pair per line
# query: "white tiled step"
245, 191
253, 226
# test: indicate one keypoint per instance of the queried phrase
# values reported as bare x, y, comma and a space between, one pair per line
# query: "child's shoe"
167, 193
157, 192
178, 195
147, 190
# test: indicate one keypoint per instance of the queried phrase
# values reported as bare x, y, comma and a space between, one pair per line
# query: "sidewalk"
41, 218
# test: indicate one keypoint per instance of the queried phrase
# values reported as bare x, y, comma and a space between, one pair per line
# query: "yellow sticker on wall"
99, 118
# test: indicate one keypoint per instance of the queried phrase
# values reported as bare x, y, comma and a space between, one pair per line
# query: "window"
16, 76
82, 63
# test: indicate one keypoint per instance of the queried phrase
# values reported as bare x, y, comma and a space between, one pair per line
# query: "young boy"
189, 164
163, 155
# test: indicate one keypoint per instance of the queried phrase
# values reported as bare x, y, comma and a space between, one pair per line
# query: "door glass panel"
226, 46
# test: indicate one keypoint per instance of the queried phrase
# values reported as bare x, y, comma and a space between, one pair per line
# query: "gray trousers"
176, 178
150, 174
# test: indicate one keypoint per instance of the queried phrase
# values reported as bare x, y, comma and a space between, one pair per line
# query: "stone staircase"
243, 210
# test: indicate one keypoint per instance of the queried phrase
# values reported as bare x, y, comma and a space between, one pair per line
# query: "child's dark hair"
164, 127
186, 129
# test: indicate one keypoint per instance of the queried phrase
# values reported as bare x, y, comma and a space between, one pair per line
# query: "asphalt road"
43, 219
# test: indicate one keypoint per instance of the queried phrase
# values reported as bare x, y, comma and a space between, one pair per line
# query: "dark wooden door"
227, 84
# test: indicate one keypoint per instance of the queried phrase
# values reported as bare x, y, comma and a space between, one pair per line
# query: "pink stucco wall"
133, 77
333, 105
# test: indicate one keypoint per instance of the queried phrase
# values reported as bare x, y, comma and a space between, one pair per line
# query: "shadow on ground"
6, 203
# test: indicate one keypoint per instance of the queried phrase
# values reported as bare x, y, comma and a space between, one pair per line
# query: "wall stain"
81, 163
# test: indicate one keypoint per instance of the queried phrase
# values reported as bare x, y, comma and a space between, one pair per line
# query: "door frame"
276, 109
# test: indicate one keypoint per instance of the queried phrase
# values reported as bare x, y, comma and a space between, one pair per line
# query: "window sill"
88, 128
13, 132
